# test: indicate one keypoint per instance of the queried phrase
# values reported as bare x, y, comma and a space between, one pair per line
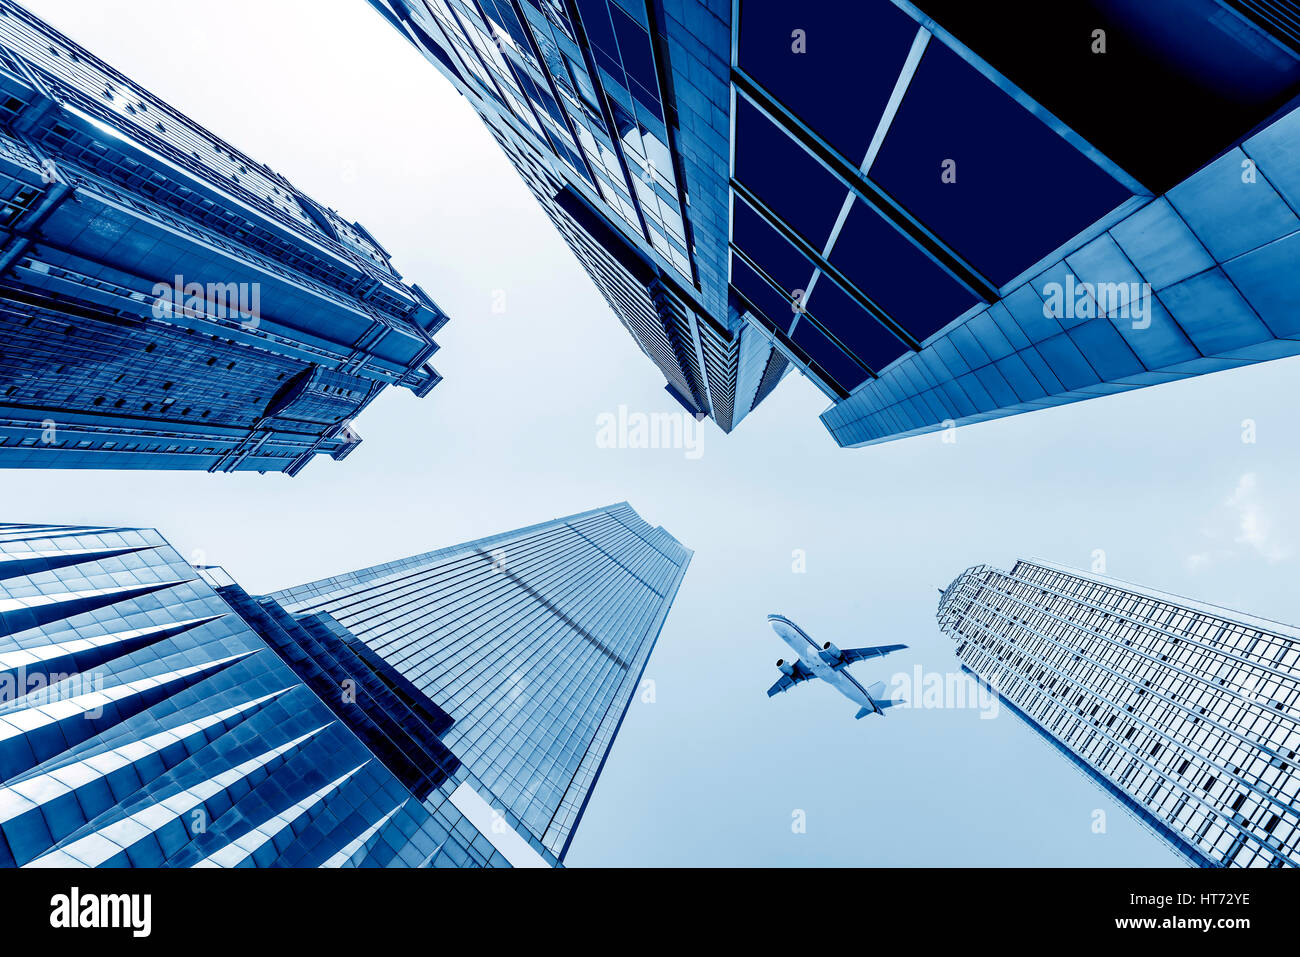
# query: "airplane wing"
860, 654
786, 682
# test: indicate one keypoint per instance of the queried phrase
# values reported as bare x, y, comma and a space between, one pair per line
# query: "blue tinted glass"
504, 14
1020, 190
782, 175
647, 101
779, 310
636, 8
852, 325
572, 158
829, 356
634, 45
595, 20
540, 95
905, 282
763, 244
840, 84
608, 62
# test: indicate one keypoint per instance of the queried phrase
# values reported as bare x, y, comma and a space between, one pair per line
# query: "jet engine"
786, 667
831, 650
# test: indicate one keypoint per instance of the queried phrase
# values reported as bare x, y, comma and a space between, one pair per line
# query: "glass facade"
882, 194
154, 714
984, 233
616, 115
167, 302
1186, 713
144, 723
533, 641
1200, 279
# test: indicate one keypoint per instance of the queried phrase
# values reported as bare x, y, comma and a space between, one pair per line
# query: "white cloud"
1247, 521
1254, 524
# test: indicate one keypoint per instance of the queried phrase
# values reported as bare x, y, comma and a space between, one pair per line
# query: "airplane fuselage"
838, 677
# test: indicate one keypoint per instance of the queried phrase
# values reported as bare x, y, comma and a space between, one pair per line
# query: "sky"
1157, 485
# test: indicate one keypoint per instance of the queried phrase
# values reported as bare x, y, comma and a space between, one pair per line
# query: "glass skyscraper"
935, 219
1188, 714
167, 302
450, 709
534, 641
615, 113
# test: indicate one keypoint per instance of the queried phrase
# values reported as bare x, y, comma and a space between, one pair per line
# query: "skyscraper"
934, 219
1188, 714
534, 641
152, 714
627, 154
167, 302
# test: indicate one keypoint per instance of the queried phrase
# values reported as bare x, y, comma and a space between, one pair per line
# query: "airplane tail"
877, 692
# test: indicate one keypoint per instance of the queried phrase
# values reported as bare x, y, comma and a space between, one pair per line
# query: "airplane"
831, 665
